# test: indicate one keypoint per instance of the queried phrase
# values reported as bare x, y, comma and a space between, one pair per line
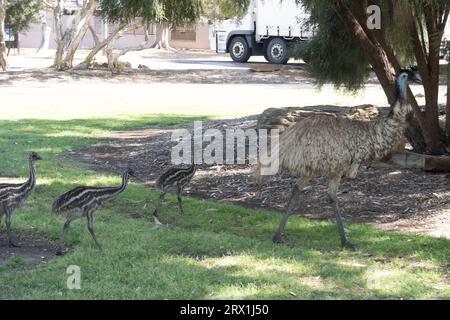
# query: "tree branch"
143, 45
48, 4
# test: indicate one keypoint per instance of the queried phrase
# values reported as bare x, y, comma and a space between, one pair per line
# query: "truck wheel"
239, 50
277, 51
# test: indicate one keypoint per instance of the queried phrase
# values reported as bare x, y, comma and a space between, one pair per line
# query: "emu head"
401, 82
128, 173
33, 157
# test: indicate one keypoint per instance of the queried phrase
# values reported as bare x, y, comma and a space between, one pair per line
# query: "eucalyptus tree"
3, 63
20, 14
68, 39
17, 15
133, 15
408, 33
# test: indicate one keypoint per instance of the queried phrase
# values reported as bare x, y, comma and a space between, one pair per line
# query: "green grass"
214, 251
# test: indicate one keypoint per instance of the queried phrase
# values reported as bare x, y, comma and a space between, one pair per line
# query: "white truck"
265, 30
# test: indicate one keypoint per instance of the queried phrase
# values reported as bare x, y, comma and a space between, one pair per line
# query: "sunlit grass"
225, 253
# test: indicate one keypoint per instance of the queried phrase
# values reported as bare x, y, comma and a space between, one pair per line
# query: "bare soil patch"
32, 250
389, 198
292, 74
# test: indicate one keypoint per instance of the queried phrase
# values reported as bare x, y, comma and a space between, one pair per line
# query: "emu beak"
416, 78
132, 174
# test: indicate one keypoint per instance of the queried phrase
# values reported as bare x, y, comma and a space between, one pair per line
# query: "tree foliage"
20, 14
175, 12
332, 55
225, 9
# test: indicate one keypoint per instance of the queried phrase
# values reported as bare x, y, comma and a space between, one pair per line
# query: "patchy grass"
214, 251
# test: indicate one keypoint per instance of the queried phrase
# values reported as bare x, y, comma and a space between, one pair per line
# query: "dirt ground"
32, 250
388, 198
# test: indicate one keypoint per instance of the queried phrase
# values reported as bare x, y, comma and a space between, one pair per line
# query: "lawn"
214, 251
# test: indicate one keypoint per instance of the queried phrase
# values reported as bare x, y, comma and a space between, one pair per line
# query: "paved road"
202, 60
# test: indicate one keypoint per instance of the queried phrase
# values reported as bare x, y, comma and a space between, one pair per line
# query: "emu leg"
90, 218
332, 192
66, 227
8, 228
158, 205
180, 206
284, 219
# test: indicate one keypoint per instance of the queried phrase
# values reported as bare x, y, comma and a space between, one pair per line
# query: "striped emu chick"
333, 147
174, 177
13, 196
84, 202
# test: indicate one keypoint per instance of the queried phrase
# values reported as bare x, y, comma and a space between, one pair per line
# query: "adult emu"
333, 147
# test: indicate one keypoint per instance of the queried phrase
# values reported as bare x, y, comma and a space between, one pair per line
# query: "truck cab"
266, 29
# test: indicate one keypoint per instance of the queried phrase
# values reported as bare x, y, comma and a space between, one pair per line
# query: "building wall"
32, 38
202, 38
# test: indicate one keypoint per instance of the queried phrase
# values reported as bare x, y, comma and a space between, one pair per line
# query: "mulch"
390, 198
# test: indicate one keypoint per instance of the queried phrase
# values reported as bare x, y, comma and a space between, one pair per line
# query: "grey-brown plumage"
174, 177
12, 196
333, 147
84, 202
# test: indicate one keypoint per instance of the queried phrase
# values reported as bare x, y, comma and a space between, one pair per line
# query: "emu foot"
61, 251
348, 245
157, 222
13, 244
277, 239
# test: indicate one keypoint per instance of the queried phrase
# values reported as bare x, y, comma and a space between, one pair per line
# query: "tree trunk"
45, 34
447, 114
3, 63
409, 160
69, 40
113, 58
103, 44
385, 65
163, 36
57, 15
432, 132
94, 35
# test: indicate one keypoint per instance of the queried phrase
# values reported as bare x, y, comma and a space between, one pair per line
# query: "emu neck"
124, 184
31, 182
120, 188
401, 90
388, 131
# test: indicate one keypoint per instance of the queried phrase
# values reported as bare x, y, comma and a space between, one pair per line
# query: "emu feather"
334, 147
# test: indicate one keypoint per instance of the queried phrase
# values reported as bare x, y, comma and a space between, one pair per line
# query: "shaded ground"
182, 66
32, 250
390, 198
289, 75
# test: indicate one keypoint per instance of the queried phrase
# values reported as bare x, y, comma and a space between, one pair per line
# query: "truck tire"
239, 50
277, 51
